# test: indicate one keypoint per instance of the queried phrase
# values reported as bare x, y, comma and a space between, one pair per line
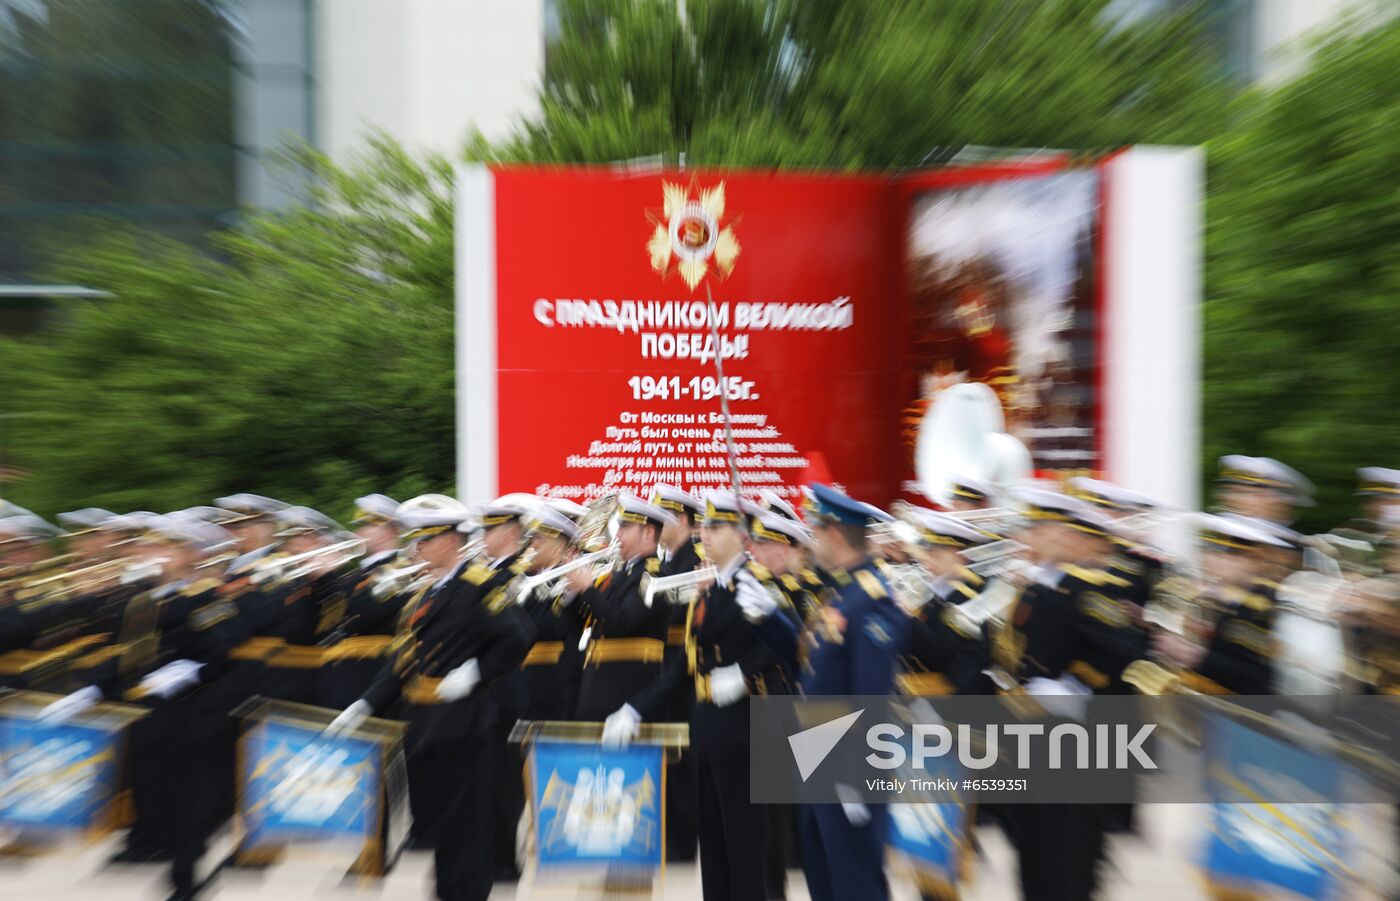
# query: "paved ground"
1156, 866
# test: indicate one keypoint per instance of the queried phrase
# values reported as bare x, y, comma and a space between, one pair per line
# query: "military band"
461, 621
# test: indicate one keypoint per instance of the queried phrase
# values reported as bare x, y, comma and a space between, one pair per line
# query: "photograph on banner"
596, 811
1003, 290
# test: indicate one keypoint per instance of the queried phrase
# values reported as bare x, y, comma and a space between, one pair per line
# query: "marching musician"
624, 640
24, 539
1237, 653
310, 602
174, 644
458, 636
1069, 632
551, 668
947, 653
680, 552
781, 544
741, 639
1363, 537
1262, 488
356, 649
1140, 565
854, 650
253, 526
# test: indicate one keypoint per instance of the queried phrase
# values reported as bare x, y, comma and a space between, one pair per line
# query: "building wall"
425, 71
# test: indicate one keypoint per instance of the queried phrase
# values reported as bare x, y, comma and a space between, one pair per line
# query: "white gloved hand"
857, 814
621, 726
1065, 697
350, 719
459, 683
172, 678
69, 706
755, 600
727, 685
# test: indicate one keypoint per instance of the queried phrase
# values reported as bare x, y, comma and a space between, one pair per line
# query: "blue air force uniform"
854, 650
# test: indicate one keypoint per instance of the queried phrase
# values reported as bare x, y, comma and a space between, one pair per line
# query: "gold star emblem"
688, 236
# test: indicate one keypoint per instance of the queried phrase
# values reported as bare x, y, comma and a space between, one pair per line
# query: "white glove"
69, 706
173, 678
1064, 697
350, 719
857, 814
459, 683
727, 685
753, 598
621, 726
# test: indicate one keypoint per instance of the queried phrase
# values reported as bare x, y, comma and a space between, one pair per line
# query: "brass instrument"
299, 566
597, 559
679, 585
593, 538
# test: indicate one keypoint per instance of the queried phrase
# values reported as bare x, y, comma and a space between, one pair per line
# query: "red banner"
829, 302
607, 286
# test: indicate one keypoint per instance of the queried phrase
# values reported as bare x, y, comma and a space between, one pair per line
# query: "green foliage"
311, 359
864, 85
1302, 276
313, 362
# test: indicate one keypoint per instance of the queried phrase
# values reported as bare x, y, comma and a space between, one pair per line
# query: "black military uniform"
946, 656
1070, 621
626, 639
176, 763
355, 650
732, 832
1239, 657
469, 615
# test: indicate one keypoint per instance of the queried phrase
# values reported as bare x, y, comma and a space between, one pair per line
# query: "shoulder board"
699, 550
200, 586
477, 573
1257, 601
1248, 636
1095, 576
760, 572
496, 601
654, 566
1104, 609
520, 566
1126, 564
841, 577
811, 578
870, 584
790, 582
211, 614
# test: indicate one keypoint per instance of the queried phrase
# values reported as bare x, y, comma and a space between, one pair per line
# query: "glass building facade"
153, 113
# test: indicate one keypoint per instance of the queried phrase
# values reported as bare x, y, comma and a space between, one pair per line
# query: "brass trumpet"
299, 566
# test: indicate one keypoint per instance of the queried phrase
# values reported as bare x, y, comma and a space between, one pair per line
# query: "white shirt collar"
726, 575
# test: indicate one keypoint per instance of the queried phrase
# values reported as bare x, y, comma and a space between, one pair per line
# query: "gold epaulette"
870, 585
811, 578
200, 586
520, 566
790, 582
700, 550
477, 573
1095, 576
1087, 674
653, 566
969, 577
923, 685
759, 571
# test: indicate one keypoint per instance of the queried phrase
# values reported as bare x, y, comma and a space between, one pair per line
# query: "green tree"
313, 362
1302, 278
865, 85
312, 359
